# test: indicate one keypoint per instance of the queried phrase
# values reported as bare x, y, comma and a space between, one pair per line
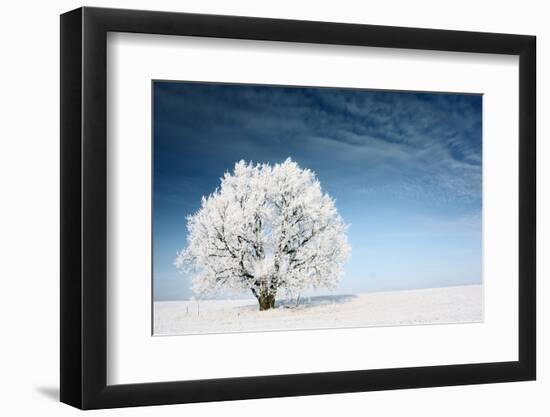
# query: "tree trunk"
266, 301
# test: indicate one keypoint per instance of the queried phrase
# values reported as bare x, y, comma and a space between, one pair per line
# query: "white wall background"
29, 226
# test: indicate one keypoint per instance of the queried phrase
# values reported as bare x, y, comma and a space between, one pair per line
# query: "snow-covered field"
426, 306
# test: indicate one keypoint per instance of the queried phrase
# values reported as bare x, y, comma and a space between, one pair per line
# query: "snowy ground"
427, 306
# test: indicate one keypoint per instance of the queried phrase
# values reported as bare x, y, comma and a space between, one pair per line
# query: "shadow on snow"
306, 302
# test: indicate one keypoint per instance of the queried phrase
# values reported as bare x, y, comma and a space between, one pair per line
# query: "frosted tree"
267, 229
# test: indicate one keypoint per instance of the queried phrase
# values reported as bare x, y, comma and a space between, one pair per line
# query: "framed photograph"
258, 207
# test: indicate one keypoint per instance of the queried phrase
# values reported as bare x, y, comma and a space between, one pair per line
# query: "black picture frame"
84, 207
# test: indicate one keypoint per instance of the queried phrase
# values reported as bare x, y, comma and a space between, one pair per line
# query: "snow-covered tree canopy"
267, 229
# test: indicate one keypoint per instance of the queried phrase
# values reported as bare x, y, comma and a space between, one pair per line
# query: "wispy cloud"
427, 142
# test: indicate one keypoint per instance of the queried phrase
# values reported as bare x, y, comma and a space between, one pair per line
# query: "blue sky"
404, 168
